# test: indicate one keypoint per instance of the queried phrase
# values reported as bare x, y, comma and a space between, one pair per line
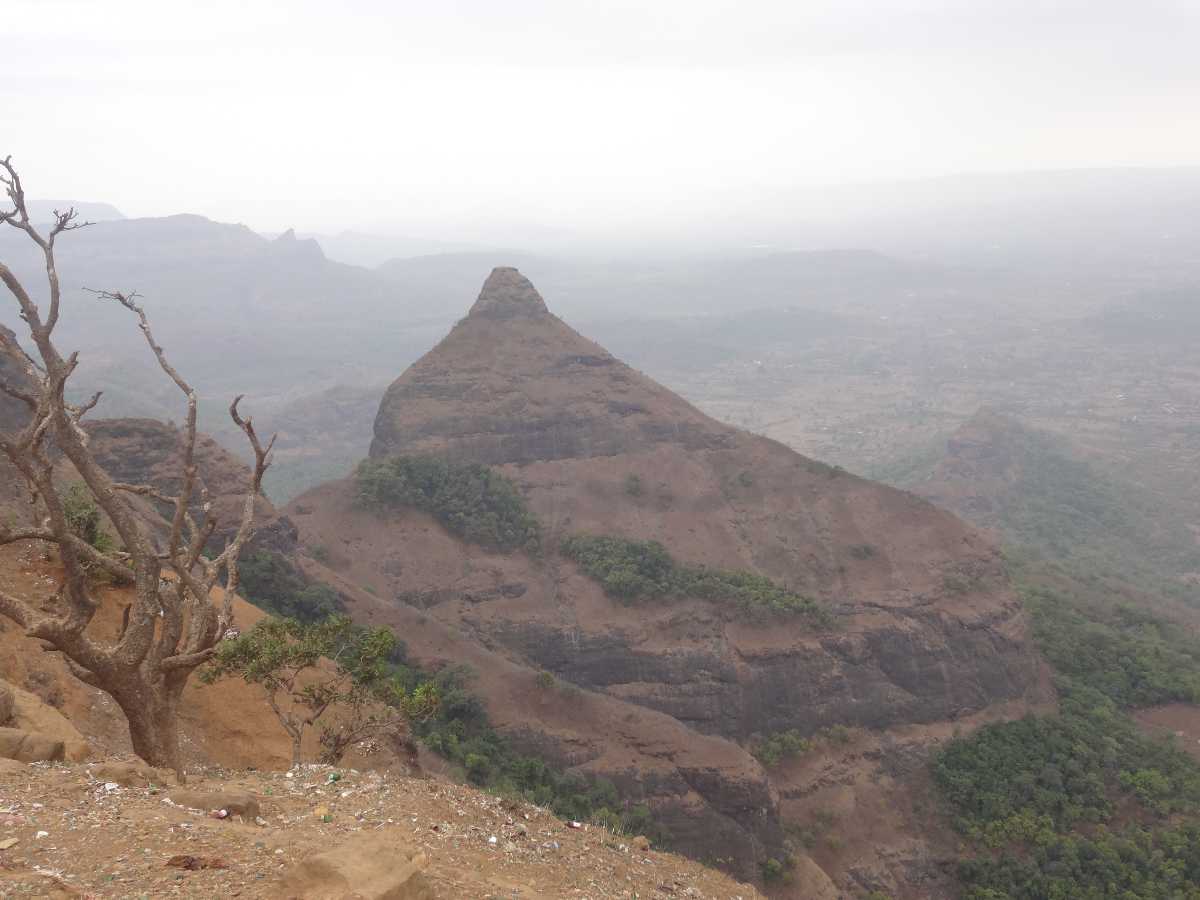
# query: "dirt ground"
79, 836
1179, 719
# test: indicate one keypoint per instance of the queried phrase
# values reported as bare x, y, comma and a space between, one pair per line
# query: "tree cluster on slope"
1082, 804
460, 732
275, 584
471, 501
633, 571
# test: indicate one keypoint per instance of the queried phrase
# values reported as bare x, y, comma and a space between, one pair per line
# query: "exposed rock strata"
926, 626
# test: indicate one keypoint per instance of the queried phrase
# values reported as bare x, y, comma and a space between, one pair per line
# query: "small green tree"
284, 656
85, 522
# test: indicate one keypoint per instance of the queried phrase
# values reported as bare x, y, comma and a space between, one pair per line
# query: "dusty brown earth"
1180, 720
74, 834
115, 840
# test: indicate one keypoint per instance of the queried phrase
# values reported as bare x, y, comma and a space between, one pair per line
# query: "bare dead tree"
172, 624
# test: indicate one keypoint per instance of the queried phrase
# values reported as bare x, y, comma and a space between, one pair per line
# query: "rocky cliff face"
925, 626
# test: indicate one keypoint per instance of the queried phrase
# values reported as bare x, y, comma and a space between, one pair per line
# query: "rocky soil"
103, 831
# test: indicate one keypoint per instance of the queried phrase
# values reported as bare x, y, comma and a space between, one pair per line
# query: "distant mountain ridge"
42, 209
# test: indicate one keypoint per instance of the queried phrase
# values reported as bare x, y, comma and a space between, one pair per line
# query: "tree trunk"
297, 739
153, 715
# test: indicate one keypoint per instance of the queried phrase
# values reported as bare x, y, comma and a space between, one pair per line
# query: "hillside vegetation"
472, 501
1052, 506
634, 571
1082, 805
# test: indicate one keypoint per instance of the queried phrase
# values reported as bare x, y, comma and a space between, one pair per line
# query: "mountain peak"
508, 294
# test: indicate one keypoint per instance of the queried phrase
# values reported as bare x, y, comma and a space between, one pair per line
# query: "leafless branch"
171, 626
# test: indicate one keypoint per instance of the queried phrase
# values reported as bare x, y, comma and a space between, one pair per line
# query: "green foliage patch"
460, 732
1012, 781
1082, 804
775, 748
471, 501
1133, 863
633, 571
273, 583
84, 518
1129, 654
284, 657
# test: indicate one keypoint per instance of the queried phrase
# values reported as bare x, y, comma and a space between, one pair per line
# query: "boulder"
234, 803
127, 774
29, 747
6, 704
378, 866
31, 714
13, 768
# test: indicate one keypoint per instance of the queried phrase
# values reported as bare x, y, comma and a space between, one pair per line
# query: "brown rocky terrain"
72, 831
925, 628
95, 827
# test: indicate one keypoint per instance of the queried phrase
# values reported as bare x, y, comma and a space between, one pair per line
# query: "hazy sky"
350, 113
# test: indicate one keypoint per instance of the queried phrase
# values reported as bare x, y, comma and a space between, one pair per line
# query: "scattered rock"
235, 804
28, 747
373, 867
6, 704
33, 715
194, 863
126, 774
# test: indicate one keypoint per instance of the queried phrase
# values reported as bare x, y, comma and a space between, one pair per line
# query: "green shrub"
1039, 784
460, 732
470, 500
84, 518
643, 570
273, 583
1134, 657
634, 486
772, 750
778, 871
837, 734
